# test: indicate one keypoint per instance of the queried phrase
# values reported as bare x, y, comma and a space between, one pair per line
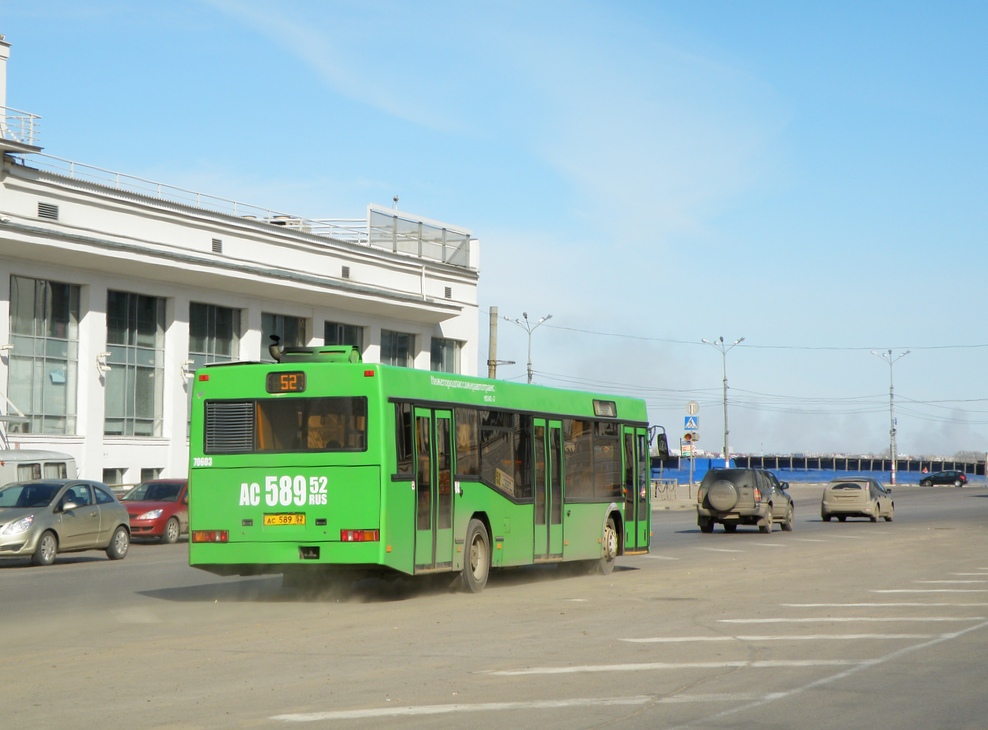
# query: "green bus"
320, 464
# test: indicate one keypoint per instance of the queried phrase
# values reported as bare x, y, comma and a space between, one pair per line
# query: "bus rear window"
286, 425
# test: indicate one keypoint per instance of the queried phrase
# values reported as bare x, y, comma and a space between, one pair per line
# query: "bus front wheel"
477, 560
609, 548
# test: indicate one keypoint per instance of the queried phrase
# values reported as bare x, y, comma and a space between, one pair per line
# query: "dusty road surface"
849, 624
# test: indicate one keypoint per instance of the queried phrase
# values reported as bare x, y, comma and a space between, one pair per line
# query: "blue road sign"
692, 423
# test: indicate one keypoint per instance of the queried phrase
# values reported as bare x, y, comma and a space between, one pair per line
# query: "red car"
158, 508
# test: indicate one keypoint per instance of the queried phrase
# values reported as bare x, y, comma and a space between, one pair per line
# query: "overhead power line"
748, 345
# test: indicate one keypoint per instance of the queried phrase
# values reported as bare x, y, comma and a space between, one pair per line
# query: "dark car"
957, 478
46, 517
735, 497
158, 508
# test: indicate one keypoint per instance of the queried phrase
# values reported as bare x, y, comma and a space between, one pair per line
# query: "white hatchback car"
856, 496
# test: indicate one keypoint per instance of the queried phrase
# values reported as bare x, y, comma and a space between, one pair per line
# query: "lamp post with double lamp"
724, 349
891, 360
530, 328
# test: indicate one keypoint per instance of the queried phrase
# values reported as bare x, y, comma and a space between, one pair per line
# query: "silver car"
49, 516
855, 496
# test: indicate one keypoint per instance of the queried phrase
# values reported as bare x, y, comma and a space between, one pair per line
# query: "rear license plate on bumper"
293, 518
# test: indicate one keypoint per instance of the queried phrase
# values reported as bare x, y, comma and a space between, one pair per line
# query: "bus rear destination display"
293, 382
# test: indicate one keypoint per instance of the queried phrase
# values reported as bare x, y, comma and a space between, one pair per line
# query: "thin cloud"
341, 51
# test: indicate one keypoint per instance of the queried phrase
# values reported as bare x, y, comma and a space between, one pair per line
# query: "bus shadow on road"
365, 589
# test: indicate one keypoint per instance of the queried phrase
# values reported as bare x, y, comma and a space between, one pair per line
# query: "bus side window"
524, 452
403, 438
606, 460
467, 442
579, 476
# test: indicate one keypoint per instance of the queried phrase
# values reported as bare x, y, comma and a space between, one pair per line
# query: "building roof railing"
19, 127
383, 229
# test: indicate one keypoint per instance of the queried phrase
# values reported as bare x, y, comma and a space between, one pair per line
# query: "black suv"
735, 497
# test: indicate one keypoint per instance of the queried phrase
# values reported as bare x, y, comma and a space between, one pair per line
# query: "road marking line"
676, 639
846, 619
410, 710
720, 550
660, 557
739, 697
770, 544
589, 668
929, 590
813, 637
950, 581
915, 604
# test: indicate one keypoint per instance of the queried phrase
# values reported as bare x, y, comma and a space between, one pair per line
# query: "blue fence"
810, 476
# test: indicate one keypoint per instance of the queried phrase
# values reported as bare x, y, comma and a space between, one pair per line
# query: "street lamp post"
724, 348
888, 357
530, 328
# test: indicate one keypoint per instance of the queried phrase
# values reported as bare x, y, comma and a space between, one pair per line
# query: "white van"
21, 465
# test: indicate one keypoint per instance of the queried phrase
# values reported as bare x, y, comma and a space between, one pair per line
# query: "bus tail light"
210, 536
360, 535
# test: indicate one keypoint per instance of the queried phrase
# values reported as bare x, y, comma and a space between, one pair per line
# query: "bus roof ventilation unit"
327, 353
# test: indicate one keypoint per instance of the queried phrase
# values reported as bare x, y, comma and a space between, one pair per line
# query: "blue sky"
809, 176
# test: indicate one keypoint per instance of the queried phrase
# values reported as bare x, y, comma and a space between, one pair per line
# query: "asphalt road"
833, 625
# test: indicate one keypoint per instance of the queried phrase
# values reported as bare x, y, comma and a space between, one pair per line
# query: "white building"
113, 289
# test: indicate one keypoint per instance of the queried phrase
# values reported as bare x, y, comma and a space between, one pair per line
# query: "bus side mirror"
662, 446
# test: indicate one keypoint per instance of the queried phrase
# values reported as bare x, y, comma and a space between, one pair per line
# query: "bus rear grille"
229, 427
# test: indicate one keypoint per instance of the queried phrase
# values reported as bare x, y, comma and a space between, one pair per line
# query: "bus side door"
637, 506
433, 488
548, 495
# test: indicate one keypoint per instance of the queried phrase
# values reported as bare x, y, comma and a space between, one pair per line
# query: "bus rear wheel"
477, 559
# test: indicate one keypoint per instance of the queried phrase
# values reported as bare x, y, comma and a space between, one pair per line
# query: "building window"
44, 364
290, 330
113, 477
338, 333
149, 474
135, 339
397, 348
214, 334
445, 355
